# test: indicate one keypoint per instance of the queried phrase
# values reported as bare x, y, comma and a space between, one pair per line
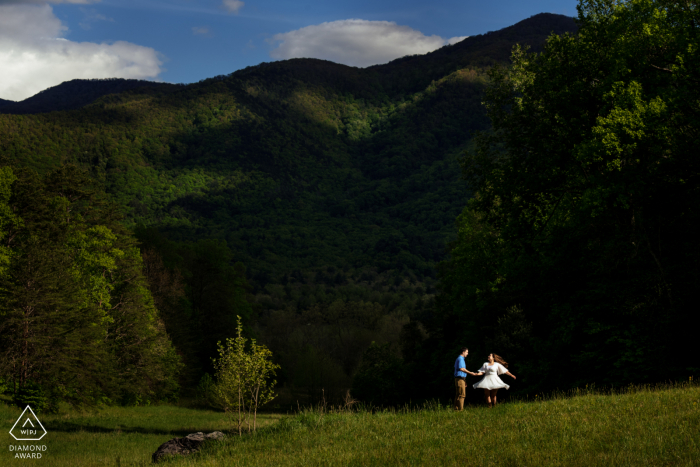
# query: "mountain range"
344, 181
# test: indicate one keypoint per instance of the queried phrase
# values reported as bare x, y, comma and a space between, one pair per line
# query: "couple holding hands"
490, 383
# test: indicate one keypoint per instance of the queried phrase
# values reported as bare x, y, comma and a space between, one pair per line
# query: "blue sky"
45, 42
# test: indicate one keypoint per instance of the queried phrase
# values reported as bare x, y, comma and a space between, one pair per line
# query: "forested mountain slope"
74, 94
298, 164
336, 187
413, 73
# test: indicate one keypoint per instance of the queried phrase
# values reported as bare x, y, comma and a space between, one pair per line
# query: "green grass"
638, 427
111, 436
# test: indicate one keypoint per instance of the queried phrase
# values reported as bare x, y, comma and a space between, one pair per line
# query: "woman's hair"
498, 359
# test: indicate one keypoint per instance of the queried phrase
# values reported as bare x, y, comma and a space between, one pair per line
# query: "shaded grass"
640, 426
111, 436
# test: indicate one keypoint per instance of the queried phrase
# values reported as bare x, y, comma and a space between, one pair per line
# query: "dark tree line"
199, 291
77, 321
577, 257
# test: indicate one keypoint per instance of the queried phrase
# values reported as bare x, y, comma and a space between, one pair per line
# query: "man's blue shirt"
459, 363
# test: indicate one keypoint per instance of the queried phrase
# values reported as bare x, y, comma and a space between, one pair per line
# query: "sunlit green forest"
366, 223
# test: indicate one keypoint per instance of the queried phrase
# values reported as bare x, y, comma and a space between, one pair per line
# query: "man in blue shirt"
461, 378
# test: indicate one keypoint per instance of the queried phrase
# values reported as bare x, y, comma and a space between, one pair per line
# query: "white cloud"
355, 42
34, 56
454, 40
233, 5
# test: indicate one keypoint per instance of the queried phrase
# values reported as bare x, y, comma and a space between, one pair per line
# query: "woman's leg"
493, 396
487, 398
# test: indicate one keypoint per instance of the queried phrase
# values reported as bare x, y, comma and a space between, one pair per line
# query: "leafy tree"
198, 289
7, 218
584, 217
217, 291
168, 288
76, 318
244, 378
46, 312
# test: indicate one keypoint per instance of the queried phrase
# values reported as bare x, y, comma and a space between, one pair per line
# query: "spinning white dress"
491, 379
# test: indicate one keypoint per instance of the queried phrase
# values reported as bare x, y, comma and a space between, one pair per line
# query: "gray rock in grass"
184, 446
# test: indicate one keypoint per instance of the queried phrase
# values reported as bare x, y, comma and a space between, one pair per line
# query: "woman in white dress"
491, 383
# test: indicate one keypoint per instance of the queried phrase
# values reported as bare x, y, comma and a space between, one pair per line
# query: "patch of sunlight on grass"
636, 426
639, 426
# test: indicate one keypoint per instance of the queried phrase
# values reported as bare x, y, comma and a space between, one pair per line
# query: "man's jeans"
460, 392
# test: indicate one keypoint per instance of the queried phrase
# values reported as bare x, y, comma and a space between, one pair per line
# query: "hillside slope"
314, 172
75, 94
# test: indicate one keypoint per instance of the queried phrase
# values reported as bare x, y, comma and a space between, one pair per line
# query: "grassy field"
635, 428
111, 436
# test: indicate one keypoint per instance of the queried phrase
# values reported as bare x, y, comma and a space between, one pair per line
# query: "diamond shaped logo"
28, 427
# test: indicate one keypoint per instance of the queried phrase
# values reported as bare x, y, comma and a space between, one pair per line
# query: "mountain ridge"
77, 93
74, 94
299, 165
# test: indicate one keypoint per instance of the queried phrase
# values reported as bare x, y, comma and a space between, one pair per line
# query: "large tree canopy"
578, 256
76, 317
